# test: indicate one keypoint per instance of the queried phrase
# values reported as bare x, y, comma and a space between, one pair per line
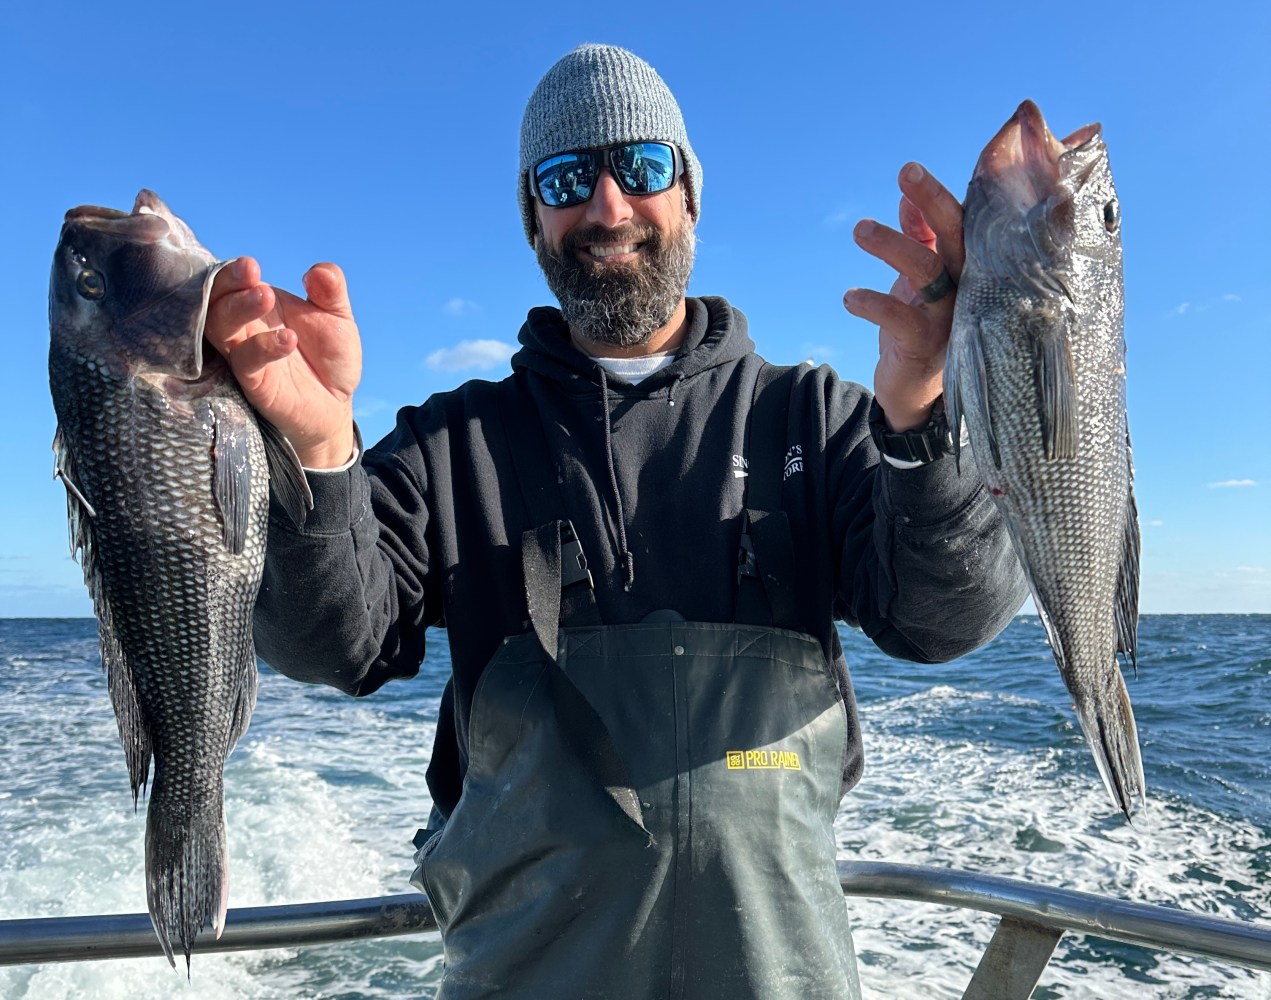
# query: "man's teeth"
612, 251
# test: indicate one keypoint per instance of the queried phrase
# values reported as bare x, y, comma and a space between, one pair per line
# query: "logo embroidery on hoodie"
740, 465
794, 461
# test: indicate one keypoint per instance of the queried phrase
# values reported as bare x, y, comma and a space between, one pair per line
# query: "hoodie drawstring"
670, 396
628, 559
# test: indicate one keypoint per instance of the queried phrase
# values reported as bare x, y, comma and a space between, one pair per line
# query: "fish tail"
187, 878
1108, 723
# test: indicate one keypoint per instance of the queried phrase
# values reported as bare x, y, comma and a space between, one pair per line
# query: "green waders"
648, 813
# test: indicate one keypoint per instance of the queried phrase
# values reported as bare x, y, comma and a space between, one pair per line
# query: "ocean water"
977, 764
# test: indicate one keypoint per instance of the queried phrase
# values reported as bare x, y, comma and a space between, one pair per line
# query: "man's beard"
620, 304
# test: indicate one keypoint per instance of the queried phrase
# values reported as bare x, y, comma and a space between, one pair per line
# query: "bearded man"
639, 544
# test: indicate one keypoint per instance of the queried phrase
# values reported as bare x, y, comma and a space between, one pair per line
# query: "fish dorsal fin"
286, 477
971, 380
1126, 606
78, 510
953, 408
1056, 382
123, 690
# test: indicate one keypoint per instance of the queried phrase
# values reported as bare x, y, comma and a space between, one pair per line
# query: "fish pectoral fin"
231, 472
286, 477
1056, 382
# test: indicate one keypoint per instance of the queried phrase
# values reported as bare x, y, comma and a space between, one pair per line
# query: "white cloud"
480, 354
460, 307
1179, 309
817, 353
840, 218
1228, 483
1231, 297
1155, 524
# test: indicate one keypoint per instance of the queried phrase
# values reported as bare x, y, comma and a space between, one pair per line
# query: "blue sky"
385, 138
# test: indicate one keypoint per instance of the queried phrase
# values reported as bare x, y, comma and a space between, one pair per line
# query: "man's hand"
297, 360
912, 333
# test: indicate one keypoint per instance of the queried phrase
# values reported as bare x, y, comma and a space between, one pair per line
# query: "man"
639, 544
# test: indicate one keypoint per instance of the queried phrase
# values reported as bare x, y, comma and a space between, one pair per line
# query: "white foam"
321, 805
1032, 815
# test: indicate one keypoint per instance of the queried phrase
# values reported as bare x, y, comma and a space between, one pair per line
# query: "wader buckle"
573, 564
746, 565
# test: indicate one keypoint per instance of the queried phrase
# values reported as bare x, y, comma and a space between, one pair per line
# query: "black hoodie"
425, 531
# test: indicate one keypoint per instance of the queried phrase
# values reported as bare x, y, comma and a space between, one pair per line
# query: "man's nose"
608, 206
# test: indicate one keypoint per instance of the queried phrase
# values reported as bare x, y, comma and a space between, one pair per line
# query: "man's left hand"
913, 332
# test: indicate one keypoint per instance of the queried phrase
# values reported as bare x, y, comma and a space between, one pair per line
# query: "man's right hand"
297, 360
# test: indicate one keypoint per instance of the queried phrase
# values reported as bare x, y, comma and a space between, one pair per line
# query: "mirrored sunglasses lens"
645, 167
564, 180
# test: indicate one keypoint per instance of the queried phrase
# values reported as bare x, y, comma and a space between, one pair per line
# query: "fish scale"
1036, 369
168, 474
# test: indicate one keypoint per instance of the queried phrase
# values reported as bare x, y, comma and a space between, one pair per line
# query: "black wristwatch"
921, 444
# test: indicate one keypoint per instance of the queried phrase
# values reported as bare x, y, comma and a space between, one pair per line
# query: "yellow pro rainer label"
763, 760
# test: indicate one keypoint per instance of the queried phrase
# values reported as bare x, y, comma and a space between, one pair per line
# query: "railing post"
1014, 961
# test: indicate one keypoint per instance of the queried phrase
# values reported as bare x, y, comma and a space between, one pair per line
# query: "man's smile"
612, 251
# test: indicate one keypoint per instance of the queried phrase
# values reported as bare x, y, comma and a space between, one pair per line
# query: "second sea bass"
1036, 366
167, 471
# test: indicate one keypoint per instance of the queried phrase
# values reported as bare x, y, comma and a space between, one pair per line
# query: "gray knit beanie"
600, 95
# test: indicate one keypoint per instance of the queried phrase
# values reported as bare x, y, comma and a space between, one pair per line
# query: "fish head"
132, 287
1039, 205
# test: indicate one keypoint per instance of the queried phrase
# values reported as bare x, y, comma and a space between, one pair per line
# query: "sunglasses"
568, 179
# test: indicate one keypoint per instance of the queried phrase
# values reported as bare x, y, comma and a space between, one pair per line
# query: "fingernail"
865, 229
850, 298
914, 173
239, 269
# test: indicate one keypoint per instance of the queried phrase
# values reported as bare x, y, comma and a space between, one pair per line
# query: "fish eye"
90, 284
1112, 216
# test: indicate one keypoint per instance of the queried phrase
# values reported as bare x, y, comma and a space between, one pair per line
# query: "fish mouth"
1026, 160
142, 225
162, 265
150, 221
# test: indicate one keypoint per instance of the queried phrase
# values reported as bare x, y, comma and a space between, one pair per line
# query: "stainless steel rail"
1034, 918
1161, 928
130, 935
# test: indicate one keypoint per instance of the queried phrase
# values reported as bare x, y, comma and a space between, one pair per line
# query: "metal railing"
1033, 919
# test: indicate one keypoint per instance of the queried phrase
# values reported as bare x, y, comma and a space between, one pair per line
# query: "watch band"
921, 444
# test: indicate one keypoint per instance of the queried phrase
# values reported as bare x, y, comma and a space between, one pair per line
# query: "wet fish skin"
167, 470
1036, 367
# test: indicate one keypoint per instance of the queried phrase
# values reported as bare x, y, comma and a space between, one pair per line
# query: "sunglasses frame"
606, 153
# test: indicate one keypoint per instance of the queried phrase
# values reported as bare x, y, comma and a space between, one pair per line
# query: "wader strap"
765, 561
559, 590
574, 592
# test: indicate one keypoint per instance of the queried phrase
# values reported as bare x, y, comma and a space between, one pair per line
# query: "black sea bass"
167, 472
1036, 366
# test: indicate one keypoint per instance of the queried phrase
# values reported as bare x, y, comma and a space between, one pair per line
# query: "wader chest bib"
648, 811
